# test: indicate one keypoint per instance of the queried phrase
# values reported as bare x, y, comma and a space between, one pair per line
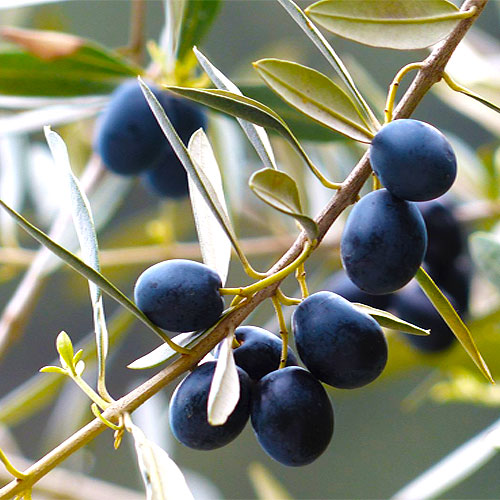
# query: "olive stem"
283, 330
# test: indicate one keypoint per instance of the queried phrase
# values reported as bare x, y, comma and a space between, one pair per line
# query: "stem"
137, 22
10, 468
287, 301
430, 73
393, 88
283, 331
300, 274
93, 396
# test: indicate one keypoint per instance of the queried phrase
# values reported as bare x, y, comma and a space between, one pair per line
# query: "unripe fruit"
188, 411
411, 304
259, 352
292, 416
180, 295
413, 160
128, 137
383, 243
339, 345
340, 284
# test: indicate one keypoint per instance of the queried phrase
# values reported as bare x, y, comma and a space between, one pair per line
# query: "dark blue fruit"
445, 239
383, 243
411, 304
340, 284
180, 295
128, 137
413, 160
292, 416
339, 345
188, 411
259, 352
167, 177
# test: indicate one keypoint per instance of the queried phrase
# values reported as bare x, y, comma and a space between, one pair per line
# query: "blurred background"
386, 434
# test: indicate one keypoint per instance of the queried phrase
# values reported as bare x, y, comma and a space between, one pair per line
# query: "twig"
429, 74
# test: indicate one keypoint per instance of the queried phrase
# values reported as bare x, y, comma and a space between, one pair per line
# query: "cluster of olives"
290, 411
130, 141
385, 239
387, 236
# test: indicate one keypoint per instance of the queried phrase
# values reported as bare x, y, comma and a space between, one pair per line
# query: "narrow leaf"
53, 369
162, 477
280, 191
64, 347
58, 64
485, 251
83, 269
257, 135
214, 243
315, 95
452, 319
197, 19
164, 352
330, 55
394, 24
197, 176
388, 320
225, 388
479, 98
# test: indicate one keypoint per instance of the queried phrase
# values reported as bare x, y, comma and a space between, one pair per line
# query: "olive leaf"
197, 17
315, 95
280, 191
388, 320
64, 347
257, 135
394, 24
58, 64
330, 55
453, 320
214, 243
162, 477
225, 387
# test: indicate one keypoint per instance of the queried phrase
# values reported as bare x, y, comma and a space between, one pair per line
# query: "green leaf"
331, 56
280, 191
315, 95
83, 221
70, 66
453, 320
478, 98
225, 387
164, 352
394, 24
388, 320
485, 251
64, 347
82, 268
257, 135
162, 477
242, 107
197, 18
53, 369
214, 243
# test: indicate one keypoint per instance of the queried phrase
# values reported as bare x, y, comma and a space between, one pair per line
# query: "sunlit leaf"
395, 24
388, 320
53, 369
162, 477
280, 191
58, 64
330, 55
64, 347
485, 251
164, 352
225, 388
197, 18
85, 229
214, 243
315, 95
453, 320
257, 135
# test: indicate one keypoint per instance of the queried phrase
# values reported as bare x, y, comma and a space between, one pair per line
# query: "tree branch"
429, 74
